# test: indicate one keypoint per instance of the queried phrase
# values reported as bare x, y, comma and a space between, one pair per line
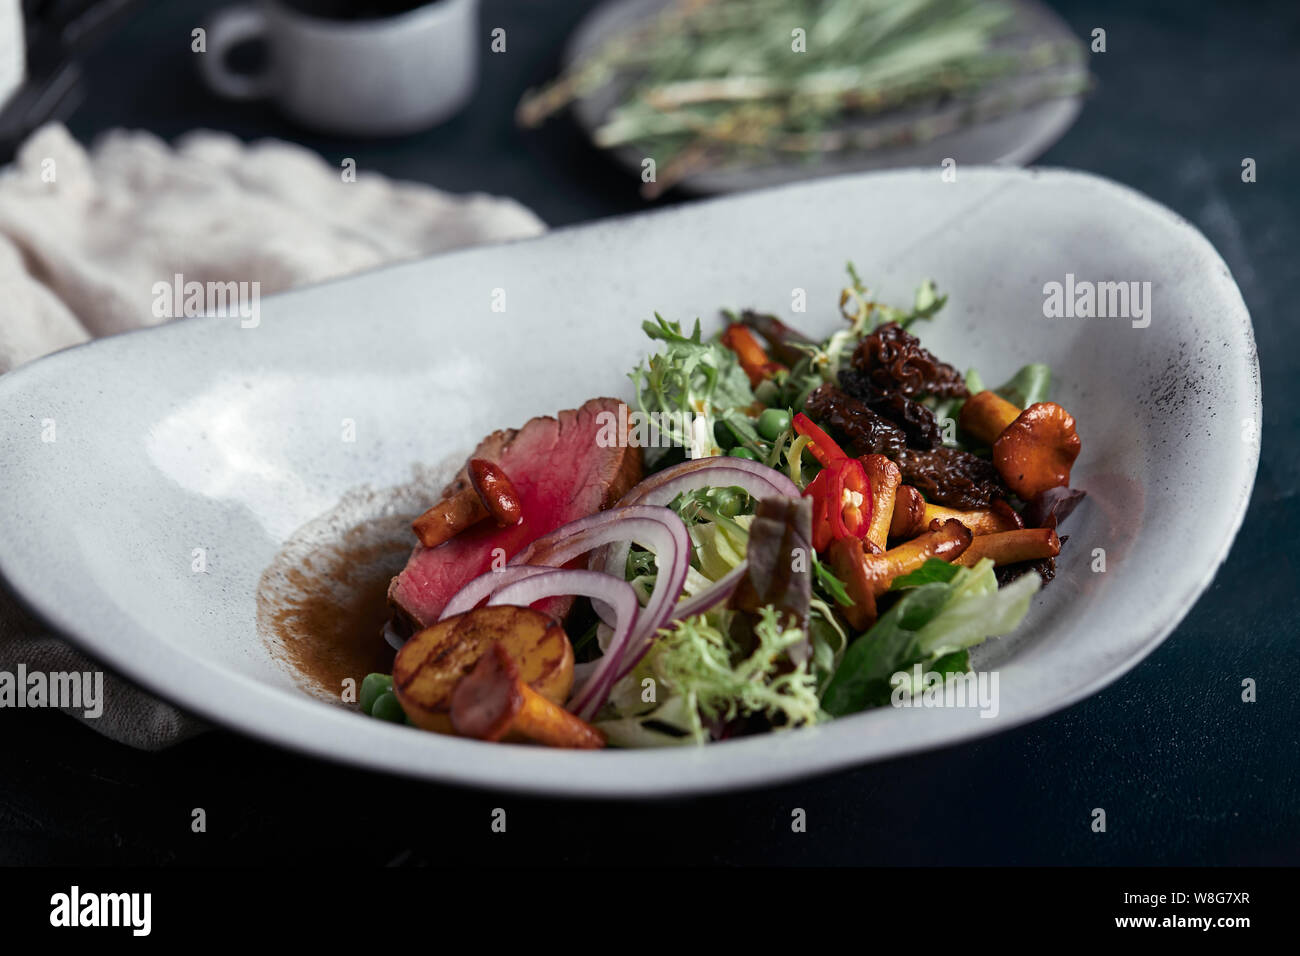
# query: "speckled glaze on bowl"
206, 434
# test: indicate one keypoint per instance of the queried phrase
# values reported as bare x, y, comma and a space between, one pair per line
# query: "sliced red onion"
534, 570
591, 522
658, 529
592, 584
717, 472
722, 471
706, 600
395, 640
584, 670
712, 596
486, 584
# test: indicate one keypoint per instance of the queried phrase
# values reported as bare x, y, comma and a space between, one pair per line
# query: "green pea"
740, 451
772, 422
728, 503
387, 708
371, 687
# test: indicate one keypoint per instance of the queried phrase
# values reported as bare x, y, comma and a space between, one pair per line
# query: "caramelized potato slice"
432, 662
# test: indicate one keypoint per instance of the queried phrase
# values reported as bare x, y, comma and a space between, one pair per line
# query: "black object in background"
355, 9
58, 32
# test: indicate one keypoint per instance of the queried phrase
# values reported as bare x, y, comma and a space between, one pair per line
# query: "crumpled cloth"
84, 235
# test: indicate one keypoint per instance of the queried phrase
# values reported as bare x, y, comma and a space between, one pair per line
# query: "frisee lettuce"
688, 379
702, 675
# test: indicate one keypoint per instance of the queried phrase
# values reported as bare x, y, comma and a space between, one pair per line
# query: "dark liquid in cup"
354, 9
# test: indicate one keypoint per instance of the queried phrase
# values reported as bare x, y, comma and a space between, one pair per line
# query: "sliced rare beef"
561, 472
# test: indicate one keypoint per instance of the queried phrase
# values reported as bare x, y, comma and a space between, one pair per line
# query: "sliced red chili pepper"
822, 531
822, 446
850, 517
835, 512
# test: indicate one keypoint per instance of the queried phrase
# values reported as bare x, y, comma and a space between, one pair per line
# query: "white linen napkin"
84, 235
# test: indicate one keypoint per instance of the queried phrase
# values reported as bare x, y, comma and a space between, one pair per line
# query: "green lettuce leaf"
1028, 386
933, 571
931, 621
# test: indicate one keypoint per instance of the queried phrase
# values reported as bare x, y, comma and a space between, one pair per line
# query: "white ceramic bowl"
206, 434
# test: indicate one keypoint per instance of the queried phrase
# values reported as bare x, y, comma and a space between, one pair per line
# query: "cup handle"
230, 27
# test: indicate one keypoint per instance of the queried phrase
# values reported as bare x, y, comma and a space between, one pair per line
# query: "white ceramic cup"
386, 76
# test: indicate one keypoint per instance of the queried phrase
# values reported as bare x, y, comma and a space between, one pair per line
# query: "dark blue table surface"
1187, 772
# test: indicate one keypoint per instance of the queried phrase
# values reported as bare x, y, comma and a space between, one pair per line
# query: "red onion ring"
639, 518
391, 636
616, 594
718, 471
706, 600
661, 488
711, 596
486, 584
656, 528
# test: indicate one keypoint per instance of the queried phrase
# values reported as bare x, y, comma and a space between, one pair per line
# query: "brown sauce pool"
323, 601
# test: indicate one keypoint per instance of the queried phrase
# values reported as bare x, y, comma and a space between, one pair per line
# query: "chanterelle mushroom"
1033, 449
986, 415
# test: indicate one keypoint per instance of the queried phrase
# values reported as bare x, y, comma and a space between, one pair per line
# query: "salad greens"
778, 651
779, 536
691, 379
1027, 386
712, 678
1031, 384
935, 620
767, 653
